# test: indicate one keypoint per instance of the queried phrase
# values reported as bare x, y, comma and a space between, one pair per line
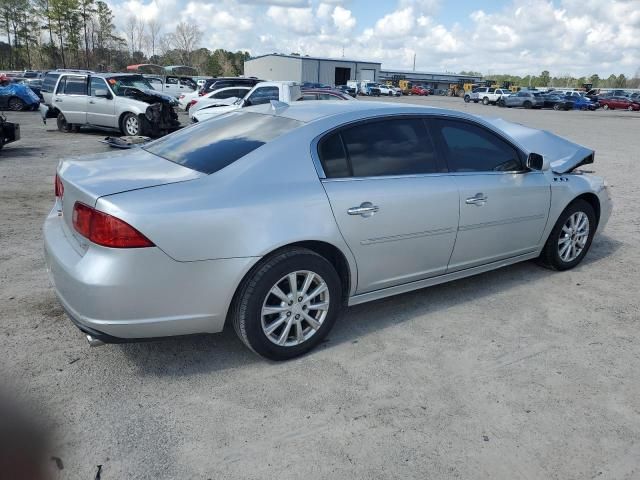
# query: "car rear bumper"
120, 294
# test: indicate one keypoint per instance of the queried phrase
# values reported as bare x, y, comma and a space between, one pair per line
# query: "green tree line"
47, 34
564, 80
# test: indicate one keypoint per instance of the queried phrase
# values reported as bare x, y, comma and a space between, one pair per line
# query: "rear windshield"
213, 144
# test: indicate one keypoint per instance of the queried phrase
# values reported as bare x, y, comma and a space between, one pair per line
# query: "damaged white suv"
126, 102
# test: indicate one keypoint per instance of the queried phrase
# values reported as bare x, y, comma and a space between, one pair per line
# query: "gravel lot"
520, 373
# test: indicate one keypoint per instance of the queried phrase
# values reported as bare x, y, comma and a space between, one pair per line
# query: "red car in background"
419, 90
622, 103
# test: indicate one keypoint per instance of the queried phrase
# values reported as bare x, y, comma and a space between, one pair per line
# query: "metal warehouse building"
428, 79
331, 71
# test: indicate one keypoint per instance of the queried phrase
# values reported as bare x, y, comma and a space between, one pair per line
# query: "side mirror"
537, 162
102, 93
246, 102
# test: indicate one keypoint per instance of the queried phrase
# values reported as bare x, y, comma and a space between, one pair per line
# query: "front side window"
49, 82
309, 96
171, 81
97, 84
399, 146
212, 145
264, 95
470, 148
120, 85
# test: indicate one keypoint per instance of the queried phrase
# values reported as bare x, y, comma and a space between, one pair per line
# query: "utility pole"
414, 61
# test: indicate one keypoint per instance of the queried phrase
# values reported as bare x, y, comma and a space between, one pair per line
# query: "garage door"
368, 74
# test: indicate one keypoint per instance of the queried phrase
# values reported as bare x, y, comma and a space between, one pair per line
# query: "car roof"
311, 111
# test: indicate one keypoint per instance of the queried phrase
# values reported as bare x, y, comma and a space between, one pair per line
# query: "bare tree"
153, 36
140, 37
185, 39
131, 29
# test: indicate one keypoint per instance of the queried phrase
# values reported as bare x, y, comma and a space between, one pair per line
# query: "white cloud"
580, 37
342, 19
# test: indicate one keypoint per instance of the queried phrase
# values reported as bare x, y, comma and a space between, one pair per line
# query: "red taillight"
181, 96
58, 187
105, 229
192, 103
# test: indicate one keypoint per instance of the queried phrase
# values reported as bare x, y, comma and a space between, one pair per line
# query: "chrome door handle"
479, 199
366, 209
57, 100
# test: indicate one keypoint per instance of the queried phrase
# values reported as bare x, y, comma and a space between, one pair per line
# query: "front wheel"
485, 101
605, 107
527, 105
570, 238
130, 125
467, 99
556, 106
288, 304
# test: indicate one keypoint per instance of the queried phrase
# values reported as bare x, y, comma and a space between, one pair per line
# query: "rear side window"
212, 145
49, 82
471, 148
399, 146
72, 85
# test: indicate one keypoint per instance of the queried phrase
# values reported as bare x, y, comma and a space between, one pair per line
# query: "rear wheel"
605, 107
485, 101
630, 108
467, 99
16, 104
570, 238
63, 126
556, 106
527, 104
288, 304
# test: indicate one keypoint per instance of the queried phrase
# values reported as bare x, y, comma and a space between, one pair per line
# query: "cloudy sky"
578, 37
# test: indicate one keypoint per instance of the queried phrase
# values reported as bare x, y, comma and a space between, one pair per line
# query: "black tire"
527, 104
467, 99
15, 104
605, 107
550, 256
63, 126
130, 125
501, 103
485, 101
390, 94
556, 106
246, 313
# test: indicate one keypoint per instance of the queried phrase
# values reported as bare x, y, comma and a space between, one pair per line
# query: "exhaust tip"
94, 342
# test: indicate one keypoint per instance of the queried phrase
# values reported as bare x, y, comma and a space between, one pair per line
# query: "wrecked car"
17, 97
126, 102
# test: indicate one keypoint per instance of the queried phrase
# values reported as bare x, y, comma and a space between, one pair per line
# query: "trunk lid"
563, 154
87, 178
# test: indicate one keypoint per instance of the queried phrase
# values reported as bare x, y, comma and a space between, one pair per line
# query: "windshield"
119, 84
212, 145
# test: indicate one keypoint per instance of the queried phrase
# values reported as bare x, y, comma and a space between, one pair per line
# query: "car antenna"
277, 105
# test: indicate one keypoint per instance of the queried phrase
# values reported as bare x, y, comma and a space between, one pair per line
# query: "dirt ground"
520, 373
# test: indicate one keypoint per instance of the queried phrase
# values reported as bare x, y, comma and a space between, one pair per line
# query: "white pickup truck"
486, 95
263, 92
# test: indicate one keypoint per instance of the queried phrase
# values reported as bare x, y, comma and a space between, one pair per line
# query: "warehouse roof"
306, 57
441, 74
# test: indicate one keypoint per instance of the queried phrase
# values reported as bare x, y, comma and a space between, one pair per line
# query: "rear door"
100, 110
395, 206
71, 98
503, 206
172, 86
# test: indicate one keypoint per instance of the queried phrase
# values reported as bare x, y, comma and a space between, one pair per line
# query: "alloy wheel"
131, 125
573, 237
295, 308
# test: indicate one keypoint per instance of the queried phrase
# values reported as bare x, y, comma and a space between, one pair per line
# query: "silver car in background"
274, 217
522, 99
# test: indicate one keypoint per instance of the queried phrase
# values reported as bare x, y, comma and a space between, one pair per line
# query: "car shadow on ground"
199, 354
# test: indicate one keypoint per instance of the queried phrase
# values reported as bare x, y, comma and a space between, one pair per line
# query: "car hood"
149, 96
210, 111
563, 155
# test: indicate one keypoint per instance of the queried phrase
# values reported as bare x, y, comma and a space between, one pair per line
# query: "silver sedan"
273, 218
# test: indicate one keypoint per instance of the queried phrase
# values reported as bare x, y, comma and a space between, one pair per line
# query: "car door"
172, 86
393, 202
101, 109
503, 206
71, 98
